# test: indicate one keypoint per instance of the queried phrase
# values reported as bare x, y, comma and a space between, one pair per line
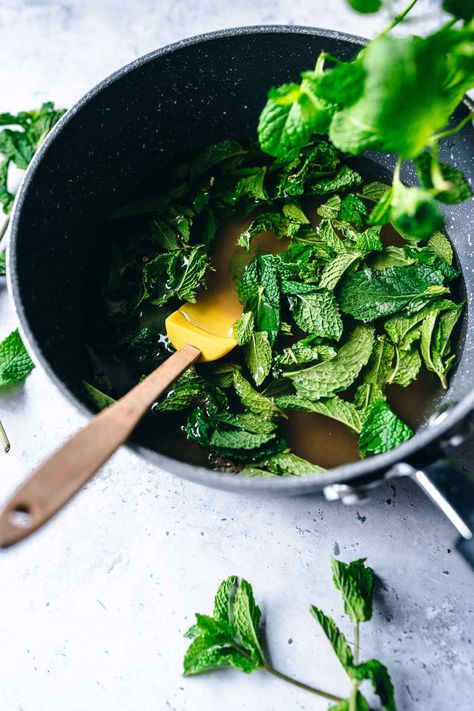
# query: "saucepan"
154, 113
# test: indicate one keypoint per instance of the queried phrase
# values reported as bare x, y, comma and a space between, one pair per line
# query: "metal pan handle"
453, 492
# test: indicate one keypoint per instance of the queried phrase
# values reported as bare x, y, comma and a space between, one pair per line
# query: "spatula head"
206, 326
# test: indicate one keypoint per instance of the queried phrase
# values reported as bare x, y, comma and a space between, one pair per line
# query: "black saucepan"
156, 112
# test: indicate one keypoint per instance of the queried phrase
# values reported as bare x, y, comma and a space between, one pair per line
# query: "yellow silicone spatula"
198, 331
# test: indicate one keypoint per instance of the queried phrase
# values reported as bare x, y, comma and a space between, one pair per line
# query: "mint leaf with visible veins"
435, 345
15, 363
440, 245
334, 270
258, 356
252, 399
176, 274
259, 292
246, 619
317, 313
378, 674
244, 327
335, 637
372, 293
355, 581
334, 407
331, 376
382, 430
287, 463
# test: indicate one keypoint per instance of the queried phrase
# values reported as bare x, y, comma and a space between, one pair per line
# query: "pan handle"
453, 492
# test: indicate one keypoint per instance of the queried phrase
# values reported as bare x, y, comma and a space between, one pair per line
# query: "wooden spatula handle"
61, 476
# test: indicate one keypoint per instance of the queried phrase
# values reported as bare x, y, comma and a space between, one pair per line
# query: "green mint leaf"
390, 257
423, 255
189, 391
287, 463
100, 399
15, 363
376, 375
318, 160
282, 225
378, 674
250, 182
359, 703
464, 9
374, 191
435, 346
459, 190
244, 327
414, 212
353, 210
259, 292
176, 274
330, 209
380, 214
201, 658
342, 85
317, 313
332, 376
293, 212
254, 423
355, 581
305, 351
224, 598
334, 270
211, 156
334, 407
440, 245
328, 234
407, 366
253, 400
238, 439
258, 356
412, 68
382, 430
344, 179
366, 6
373, 293
369, 241
335, 637
3, 267
246, 619
290, 117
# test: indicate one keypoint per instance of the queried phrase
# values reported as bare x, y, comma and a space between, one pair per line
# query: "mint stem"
396, 20
356, 642
452, 131
4, 441
301, 684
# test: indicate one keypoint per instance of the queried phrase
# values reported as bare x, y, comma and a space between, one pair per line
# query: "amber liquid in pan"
319, 439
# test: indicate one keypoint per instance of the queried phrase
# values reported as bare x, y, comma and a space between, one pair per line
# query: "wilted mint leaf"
259, 292
176, 274
382, 430
15, 363
213, 155
436, 331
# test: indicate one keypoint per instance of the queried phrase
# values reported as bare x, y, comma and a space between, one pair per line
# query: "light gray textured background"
92, 609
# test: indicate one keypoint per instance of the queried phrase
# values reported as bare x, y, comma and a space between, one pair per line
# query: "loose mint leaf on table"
15, 363
176, 274
335, 637
382, 430
290, 117
459, 189
317, 313
259, 292
355, 581
2, 264
332, 376
246, 616
334, 407
258, 356
244, 327
370, 294
252, 399
366, 6
19, 143
378, 674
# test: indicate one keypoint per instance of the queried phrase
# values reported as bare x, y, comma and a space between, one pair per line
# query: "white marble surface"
92, 609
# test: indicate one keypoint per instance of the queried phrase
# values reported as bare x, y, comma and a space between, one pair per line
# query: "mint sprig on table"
231, 637
396, 96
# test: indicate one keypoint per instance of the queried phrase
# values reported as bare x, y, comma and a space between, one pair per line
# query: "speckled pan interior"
149, 115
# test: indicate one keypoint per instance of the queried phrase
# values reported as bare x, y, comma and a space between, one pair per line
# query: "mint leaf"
335, 269
189, 391
369, 241
335, 637
252, 399
374, 191
373, 293
281, 225
436, 331
246, 619
390, 257
202, 657
331, 376
414, 212
176, 274
344, 179
378, 674
358, 703
366, 6
258, 356
407, 366
317, 313
3, 268
259, 292
100, 399
380, 214
463, 9
15, 363
342, 85
353, 210
224, 598
376, 375
460, 190
318, 160
244, 327
440, 245
305, 351
287, 463
334, 407
382, 430
290, 117
213, 155
328, 234
355, 581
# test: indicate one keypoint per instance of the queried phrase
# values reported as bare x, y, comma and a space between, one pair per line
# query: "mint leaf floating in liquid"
382, 430
317, 313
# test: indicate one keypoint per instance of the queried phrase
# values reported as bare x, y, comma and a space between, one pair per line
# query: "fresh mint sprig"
396, 96
231, 637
